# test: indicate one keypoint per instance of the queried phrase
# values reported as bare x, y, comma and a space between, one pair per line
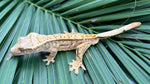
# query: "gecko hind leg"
50, 58
80, 50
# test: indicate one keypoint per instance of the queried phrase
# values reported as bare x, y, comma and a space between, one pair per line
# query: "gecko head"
24, 46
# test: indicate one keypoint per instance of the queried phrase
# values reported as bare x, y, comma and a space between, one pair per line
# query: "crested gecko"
34, 43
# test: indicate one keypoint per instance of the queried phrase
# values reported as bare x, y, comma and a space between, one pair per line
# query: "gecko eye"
21, 49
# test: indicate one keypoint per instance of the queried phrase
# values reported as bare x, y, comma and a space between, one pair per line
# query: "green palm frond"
123, 59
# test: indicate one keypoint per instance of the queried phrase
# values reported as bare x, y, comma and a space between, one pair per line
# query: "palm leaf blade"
6, 26
131, 65
121, 59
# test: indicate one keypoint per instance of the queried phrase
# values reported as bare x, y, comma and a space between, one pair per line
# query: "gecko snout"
15, 51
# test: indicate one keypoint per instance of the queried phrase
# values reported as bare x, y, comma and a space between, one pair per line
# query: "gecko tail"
119, 30
9, 57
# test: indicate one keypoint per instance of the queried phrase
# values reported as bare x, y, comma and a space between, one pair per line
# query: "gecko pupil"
21, 49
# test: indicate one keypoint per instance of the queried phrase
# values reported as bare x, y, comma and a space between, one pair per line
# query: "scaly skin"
34, 43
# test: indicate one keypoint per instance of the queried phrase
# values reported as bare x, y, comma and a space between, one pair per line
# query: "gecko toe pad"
48, 60
76, 65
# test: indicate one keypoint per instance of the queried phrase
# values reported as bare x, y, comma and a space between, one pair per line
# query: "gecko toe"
76, 71
71, 69
48, 62
70, 63
45, 60
52, 61
82, 66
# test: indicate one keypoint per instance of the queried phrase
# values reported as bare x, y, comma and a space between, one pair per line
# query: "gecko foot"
48, 60
75, 65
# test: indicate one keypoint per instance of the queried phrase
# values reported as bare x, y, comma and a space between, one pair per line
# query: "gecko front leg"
80, 50
51, 57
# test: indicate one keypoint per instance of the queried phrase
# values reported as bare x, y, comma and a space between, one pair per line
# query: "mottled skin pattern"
34, 43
